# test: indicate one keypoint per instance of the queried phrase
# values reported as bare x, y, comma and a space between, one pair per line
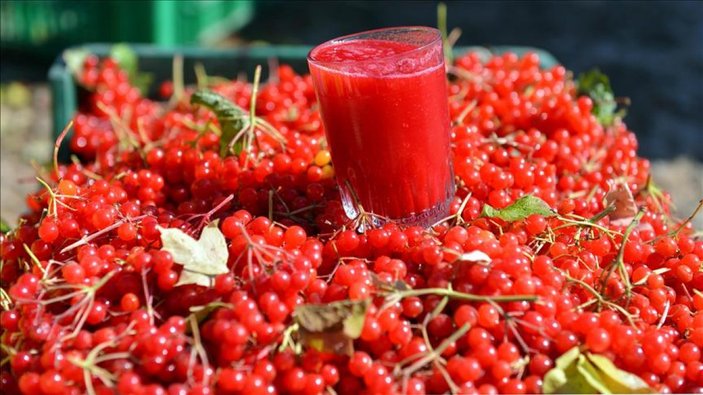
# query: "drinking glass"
384, 106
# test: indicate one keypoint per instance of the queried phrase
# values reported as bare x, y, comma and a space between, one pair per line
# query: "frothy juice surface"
385, 112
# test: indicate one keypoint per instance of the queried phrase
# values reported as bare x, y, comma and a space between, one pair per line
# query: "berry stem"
178, 81
598, 298
458, 219
606, 211
434, 354
619, 259
57, 145
689, 219
574, 222
87, 239
201, 76
34, 259
51, 209
463, 296
466, 111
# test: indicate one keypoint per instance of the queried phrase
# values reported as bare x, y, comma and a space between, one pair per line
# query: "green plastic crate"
41, 26
221, 62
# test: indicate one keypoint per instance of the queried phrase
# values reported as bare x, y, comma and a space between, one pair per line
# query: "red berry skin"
360, 363
517, 129
598, 340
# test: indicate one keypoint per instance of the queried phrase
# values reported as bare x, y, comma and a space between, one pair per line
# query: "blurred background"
652, 51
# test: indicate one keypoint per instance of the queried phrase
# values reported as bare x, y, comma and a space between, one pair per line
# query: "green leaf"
596, 85
4, 226
230, 116
331, 327
617, 380
74, 59
577, 373
125, 56
128, 60
520, 209
202, 259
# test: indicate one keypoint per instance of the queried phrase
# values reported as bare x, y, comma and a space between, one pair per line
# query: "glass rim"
437, 37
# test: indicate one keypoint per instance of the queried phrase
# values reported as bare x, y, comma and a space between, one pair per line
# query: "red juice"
385, 111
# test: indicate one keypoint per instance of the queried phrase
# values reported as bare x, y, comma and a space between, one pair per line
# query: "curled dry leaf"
202, 259
331, 327
475, 256
623, 203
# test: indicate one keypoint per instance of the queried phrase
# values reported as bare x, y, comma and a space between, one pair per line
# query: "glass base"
428, 217
425, 218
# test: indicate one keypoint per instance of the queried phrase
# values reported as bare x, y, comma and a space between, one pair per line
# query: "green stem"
254, 93
431, 356
598, 298
35, 260
619, 259
689, 219
178, 80
465, 296
201, 76
573, 222
57, 146
52, 197
609, 209
442, 26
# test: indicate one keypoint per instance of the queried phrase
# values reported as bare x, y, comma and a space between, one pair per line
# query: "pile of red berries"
91, 302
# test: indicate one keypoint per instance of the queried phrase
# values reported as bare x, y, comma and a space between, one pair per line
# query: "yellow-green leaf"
202, 259
553, 380
586, 373
618, 380
591, 375
556, 379
568, 358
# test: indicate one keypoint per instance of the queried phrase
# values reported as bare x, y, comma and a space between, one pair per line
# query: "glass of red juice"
383, 99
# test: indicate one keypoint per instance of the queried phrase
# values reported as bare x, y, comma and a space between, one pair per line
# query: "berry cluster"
476, 304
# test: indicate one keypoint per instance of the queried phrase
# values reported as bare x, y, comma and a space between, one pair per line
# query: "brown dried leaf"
331, 327
625, 208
